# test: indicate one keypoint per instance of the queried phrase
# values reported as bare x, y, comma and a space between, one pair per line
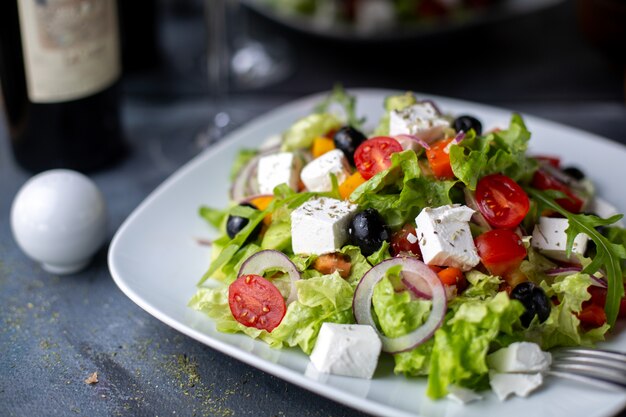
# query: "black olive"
465, 123
575, 173
534, 300
348, 139
235, 224
368, 231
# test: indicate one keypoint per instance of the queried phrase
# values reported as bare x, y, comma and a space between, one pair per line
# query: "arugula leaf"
608, 255
213, 216
347, 101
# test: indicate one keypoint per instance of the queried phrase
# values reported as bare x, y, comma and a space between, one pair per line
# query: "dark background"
55, 331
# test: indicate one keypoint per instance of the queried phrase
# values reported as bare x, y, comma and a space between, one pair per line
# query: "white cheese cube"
550, 239
520, 357
521, 385
316, 174
347, 349
462, 395
321, 225
421, 119
444, 237
276, 169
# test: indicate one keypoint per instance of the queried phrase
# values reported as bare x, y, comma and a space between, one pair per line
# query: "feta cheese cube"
520, 357
444, 236
316, 174
276, 169
462, 395
550, 239
347, 349
421, 119
321, 225
503, 385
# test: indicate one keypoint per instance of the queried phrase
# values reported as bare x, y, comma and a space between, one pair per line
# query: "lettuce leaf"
301, 134
345, 100
400, 192
398, 102
503, 152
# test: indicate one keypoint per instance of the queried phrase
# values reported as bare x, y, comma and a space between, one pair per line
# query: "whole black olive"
575, 173
368, 231
348, 139
234, 225
534, 300
465, 123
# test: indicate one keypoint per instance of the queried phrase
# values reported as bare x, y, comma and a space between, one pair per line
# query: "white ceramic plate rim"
330, 390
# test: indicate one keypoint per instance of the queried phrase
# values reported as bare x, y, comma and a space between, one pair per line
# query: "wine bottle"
59, 76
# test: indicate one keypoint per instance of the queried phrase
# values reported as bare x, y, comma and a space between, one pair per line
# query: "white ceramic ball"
59, 219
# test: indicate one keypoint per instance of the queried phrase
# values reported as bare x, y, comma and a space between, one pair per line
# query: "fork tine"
592, 360
606, 354
593, 371
600, 383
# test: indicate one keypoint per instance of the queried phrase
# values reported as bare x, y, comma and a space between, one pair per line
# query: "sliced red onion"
272, 259
458, 138
254, 197
563, 270
598, 282
414, 138
477, 217
245, 182
420, 289
362, 303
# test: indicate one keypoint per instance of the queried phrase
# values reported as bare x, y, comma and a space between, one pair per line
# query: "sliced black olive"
465, 123
348, 139
234, 225
575, 173
534, 300
368, 231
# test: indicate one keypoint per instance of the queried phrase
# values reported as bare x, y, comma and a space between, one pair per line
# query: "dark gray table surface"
55, 331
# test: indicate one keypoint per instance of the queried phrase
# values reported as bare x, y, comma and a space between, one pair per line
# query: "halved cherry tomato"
542, 180
598, 297
374, 155
400, 243
439, 159
501, 251
592, 316
453, 276
502, 201
256, 302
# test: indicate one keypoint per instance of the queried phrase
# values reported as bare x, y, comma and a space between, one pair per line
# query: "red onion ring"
269, 259
477, 217
362, 303
458, 138
245, 183
563, 270
415, 138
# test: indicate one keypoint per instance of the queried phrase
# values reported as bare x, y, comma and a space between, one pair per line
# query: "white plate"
505, 9
155, 260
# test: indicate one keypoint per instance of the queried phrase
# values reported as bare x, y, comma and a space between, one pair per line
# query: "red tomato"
550, 160
374, 155
592, 316
500, 250
544, 181
502, 201
400, 242
598, 297
256, 302
439, 159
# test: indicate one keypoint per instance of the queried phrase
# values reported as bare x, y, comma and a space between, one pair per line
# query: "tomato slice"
374, 155
439, 159
598, 297
256, 302
502, 201
592, 316
501, 251
405, 241
542, 180
548, 159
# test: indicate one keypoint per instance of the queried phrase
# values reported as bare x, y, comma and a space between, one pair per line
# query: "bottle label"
71, 47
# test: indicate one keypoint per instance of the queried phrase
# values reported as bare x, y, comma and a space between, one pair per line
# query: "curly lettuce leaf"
400, 192
346, 101
503, 152
301, 134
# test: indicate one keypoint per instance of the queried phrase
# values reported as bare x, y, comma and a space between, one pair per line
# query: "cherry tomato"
256, 302
598, 297
400, 243
439, 159
542, 180
374, 155
501, 251
502, 201
592, 316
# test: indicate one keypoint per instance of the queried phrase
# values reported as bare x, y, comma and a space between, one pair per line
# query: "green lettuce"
502, 152
346, 101
301, 134
400, 192
398, 102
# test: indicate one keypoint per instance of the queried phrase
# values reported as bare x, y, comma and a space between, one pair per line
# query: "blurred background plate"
378, 20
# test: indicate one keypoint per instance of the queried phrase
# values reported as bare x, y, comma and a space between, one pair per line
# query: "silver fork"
603, 368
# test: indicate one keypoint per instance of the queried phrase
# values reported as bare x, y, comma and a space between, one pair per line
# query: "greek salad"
449, 247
